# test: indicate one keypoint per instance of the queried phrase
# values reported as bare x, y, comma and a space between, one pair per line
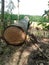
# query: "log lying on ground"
16, 34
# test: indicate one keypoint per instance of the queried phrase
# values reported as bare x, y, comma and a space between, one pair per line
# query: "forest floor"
26, 54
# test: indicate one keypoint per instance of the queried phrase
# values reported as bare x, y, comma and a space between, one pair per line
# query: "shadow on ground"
25, 54
37, 58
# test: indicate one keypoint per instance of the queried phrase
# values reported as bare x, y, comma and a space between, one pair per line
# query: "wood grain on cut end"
14, 35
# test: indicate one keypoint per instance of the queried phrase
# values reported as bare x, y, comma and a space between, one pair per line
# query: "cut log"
16, 34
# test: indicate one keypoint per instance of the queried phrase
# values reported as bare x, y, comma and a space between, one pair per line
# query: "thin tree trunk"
2, 17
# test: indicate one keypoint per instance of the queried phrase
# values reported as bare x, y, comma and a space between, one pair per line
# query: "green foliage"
47, 15
21, 17
47, 27
35, 18
32, 18
40, 19
44, 25
13, 16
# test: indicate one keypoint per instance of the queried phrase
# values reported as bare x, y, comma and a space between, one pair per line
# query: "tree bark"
2, 16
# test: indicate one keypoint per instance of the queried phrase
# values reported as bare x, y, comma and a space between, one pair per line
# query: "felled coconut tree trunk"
16, 34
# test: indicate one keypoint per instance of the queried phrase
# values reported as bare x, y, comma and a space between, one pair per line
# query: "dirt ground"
26, 54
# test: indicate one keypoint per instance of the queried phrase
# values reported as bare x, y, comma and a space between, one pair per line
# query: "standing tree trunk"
2, 17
